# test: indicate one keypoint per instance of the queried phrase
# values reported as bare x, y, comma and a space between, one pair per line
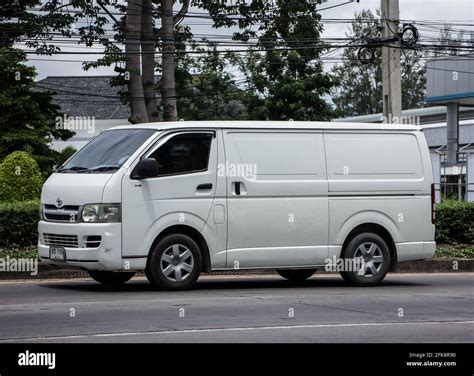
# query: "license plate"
57, 253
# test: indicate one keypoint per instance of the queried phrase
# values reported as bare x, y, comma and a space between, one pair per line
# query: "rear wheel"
370, 260
175, 263
296, 275
111, 278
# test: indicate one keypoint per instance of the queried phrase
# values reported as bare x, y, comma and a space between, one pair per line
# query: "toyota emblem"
59, 202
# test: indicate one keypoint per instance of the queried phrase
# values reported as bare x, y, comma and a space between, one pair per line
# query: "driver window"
184, 154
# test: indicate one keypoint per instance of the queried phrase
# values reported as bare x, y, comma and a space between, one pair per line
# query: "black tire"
296, 275
374, 271
182, 275
148, 274
111, 278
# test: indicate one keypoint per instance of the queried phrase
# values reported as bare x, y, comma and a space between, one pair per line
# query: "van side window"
184, 154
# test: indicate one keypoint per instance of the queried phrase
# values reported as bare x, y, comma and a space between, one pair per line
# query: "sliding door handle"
204, 187
237, 188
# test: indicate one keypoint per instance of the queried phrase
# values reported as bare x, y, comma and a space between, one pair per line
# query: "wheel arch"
379, 230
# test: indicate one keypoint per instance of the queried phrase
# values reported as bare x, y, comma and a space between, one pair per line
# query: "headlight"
41, 211
100, 213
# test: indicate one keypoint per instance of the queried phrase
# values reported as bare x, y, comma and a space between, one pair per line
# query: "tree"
136, 91
290, 77
288, 35
18, 22
284, 72
27, 117
205, 88
413, 78
142, 38
140, 58
359, 86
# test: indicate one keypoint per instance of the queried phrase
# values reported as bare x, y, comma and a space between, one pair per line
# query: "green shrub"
20, 178
455, 222
17, 253
18, 223
454, 251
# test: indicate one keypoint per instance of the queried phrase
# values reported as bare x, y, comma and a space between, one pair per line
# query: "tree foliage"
206, 89
27, 120
65, 154
284, 81
284, 74
27, 116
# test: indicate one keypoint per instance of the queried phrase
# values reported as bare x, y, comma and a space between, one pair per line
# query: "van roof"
272, 125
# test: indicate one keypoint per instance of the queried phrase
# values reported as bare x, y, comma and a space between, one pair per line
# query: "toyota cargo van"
178, 199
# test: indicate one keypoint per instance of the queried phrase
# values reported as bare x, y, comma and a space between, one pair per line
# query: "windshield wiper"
80, 170
103, 168
74, 169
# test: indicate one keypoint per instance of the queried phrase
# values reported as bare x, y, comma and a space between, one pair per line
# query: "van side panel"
279, 218
374, 162
381, 178
407, 219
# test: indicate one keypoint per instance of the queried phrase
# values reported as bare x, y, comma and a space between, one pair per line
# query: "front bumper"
107, 256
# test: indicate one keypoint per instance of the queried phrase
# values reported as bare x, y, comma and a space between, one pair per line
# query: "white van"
178, 199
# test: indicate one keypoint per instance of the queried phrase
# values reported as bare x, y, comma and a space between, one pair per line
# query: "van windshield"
107, 152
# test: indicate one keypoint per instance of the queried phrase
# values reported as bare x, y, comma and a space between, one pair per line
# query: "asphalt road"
405, 308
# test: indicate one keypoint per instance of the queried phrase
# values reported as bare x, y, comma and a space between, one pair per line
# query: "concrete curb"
429, 266
436, 266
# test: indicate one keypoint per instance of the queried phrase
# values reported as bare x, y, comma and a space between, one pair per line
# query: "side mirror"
146, 168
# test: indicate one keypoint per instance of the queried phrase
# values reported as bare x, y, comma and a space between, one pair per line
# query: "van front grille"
59, 240
68, 213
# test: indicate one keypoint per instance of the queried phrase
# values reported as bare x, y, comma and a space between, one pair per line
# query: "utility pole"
391, 71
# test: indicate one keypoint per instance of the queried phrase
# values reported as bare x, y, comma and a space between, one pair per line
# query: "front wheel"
296, 275
367, 260
111, 278
175, 263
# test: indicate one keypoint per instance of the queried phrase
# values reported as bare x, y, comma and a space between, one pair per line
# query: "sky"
420, 10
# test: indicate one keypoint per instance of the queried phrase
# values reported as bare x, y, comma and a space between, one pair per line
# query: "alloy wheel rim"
369, 259
177, 263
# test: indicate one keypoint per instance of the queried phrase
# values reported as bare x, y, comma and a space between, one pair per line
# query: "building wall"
436, 133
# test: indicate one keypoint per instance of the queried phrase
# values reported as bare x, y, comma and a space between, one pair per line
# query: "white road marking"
231, 329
